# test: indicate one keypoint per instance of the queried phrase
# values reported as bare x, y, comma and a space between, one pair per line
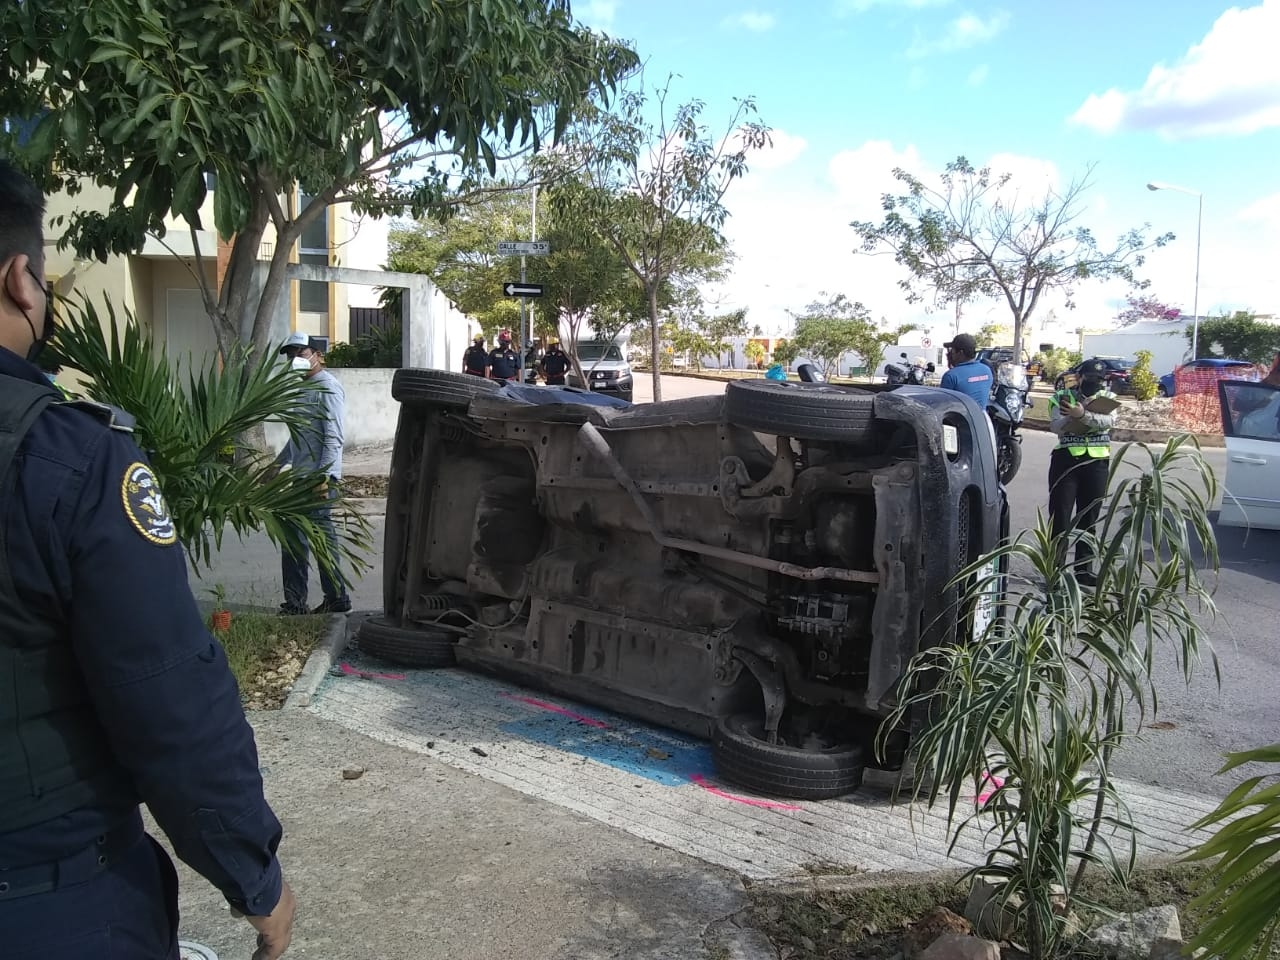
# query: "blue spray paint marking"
623, 745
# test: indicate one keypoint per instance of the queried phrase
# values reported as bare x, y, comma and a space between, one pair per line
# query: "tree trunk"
259, 333
1017, 339
655, 347
236, 296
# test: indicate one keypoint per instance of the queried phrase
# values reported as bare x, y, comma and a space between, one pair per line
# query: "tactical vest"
474, 360
1093, 445
54, 755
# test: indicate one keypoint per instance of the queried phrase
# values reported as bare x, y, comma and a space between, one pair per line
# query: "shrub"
1141, 379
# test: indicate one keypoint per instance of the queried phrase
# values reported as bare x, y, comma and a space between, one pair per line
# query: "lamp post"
1195, 303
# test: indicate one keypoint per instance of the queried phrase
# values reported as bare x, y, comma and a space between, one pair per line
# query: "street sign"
926, 343
522, 289
524, 248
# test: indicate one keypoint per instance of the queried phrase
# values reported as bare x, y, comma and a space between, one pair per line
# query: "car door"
1251, 425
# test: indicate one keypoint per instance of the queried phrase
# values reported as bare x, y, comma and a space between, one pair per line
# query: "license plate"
984, 611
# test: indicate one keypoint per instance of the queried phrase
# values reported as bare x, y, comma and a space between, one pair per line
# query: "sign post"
523, 249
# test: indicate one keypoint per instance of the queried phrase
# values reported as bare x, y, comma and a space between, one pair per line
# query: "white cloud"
978, 75
783, 150
599, 14
751, 20
862, 6
1265, 211
1229, 83
967, 30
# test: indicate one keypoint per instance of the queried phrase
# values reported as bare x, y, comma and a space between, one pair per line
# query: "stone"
1132, 936
352, 773
989, 917
929, 928
954, 946
1166, 948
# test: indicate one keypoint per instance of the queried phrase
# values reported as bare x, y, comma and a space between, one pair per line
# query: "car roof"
1219, 362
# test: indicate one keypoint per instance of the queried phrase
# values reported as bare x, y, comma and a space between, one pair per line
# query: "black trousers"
1076, 488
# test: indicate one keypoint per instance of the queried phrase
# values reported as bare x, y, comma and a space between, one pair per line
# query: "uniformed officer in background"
124, 696
476, 360
1079, 465
555, 365
504, 363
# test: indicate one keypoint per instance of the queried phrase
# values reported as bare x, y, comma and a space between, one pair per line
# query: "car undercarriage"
757, 567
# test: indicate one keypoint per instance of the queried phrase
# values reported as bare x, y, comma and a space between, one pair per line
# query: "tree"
1240, 336
972, 238
342, 98
828, 329
654, 188
987, 334
1146, 308
785, 352
459, 254
756, 353
723, 327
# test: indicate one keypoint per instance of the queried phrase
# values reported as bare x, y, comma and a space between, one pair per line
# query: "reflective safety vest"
1095, 445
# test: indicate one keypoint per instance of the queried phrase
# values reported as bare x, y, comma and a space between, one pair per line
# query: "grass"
870, 922
263, 647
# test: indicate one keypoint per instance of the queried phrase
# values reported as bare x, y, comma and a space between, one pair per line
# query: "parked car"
1168, 385
1251, 426
756, 567
604, 364
994, 356
1117, 375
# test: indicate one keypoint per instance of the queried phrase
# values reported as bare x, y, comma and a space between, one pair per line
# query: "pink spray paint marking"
543, 705
701, 781
351, 671
995, 782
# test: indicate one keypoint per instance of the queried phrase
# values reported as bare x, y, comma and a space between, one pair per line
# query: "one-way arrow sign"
522, 289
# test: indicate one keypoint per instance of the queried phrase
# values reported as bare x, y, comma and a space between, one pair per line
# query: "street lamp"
1195, 303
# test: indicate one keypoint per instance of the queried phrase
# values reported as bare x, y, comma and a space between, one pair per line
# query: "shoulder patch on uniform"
145, 506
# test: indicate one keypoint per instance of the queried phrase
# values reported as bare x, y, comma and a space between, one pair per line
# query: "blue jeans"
295, 560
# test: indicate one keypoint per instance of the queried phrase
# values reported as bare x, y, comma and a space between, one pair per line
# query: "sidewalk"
416, 860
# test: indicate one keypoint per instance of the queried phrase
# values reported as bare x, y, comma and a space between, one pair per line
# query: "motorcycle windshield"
1012, 375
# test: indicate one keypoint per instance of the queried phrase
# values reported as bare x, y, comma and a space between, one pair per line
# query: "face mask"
300, 365
38, 340
1090, 385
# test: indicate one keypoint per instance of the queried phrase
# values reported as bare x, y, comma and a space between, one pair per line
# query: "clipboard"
1103, 405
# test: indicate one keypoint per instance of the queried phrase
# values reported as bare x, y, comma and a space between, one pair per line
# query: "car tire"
1162, 391
406, 647
742, 756
804, 411
439, 388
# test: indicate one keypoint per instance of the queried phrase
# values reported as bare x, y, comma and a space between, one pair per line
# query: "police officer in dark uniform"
476, 360
555, 365
112, 692
504, 363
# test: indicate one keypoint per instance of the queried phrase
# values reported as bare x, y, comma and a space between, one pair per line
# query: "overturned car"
756, 567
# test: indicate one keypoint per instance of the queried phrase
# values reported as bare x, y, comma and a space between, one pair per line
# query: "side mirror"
930, 368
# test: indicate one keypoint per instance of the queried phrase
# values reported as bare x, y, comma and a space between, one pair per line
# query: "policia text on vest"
1078, 468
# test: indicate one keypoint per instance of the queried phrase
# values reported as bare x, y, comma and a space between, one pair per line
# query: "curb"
318, 664
1136, 435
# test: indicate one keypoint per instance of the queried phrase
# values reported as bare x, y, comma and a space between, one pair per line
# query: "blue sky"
1185, 93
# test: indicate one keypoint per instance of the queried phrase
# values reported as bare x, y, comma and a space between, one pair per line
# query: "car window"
1250, 411
597, 351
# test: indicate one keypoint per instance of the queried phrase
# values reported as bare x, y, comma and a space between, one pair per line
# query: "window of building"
313, 247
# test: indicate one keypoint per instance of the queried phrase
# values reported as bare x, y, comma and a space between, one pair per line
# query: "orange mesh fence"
1195, 395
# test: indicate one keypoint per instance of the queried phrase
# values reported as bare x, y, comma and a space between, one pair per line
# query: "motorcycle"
908, 374
1010, 397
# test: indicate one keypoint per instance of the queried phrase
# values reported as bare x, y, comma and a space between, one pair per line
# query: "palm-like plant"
1030, 713
1242, 907
185, 425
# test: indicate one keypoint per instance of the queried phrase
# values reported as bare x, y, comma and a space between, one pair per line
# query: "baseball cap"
962, 341
298, 340
1094, 368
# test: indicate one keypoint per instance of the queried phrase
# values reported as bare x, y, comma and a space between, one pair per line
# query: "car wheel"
743, 756
406, 647
1162, 391
439, 388
805, 411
